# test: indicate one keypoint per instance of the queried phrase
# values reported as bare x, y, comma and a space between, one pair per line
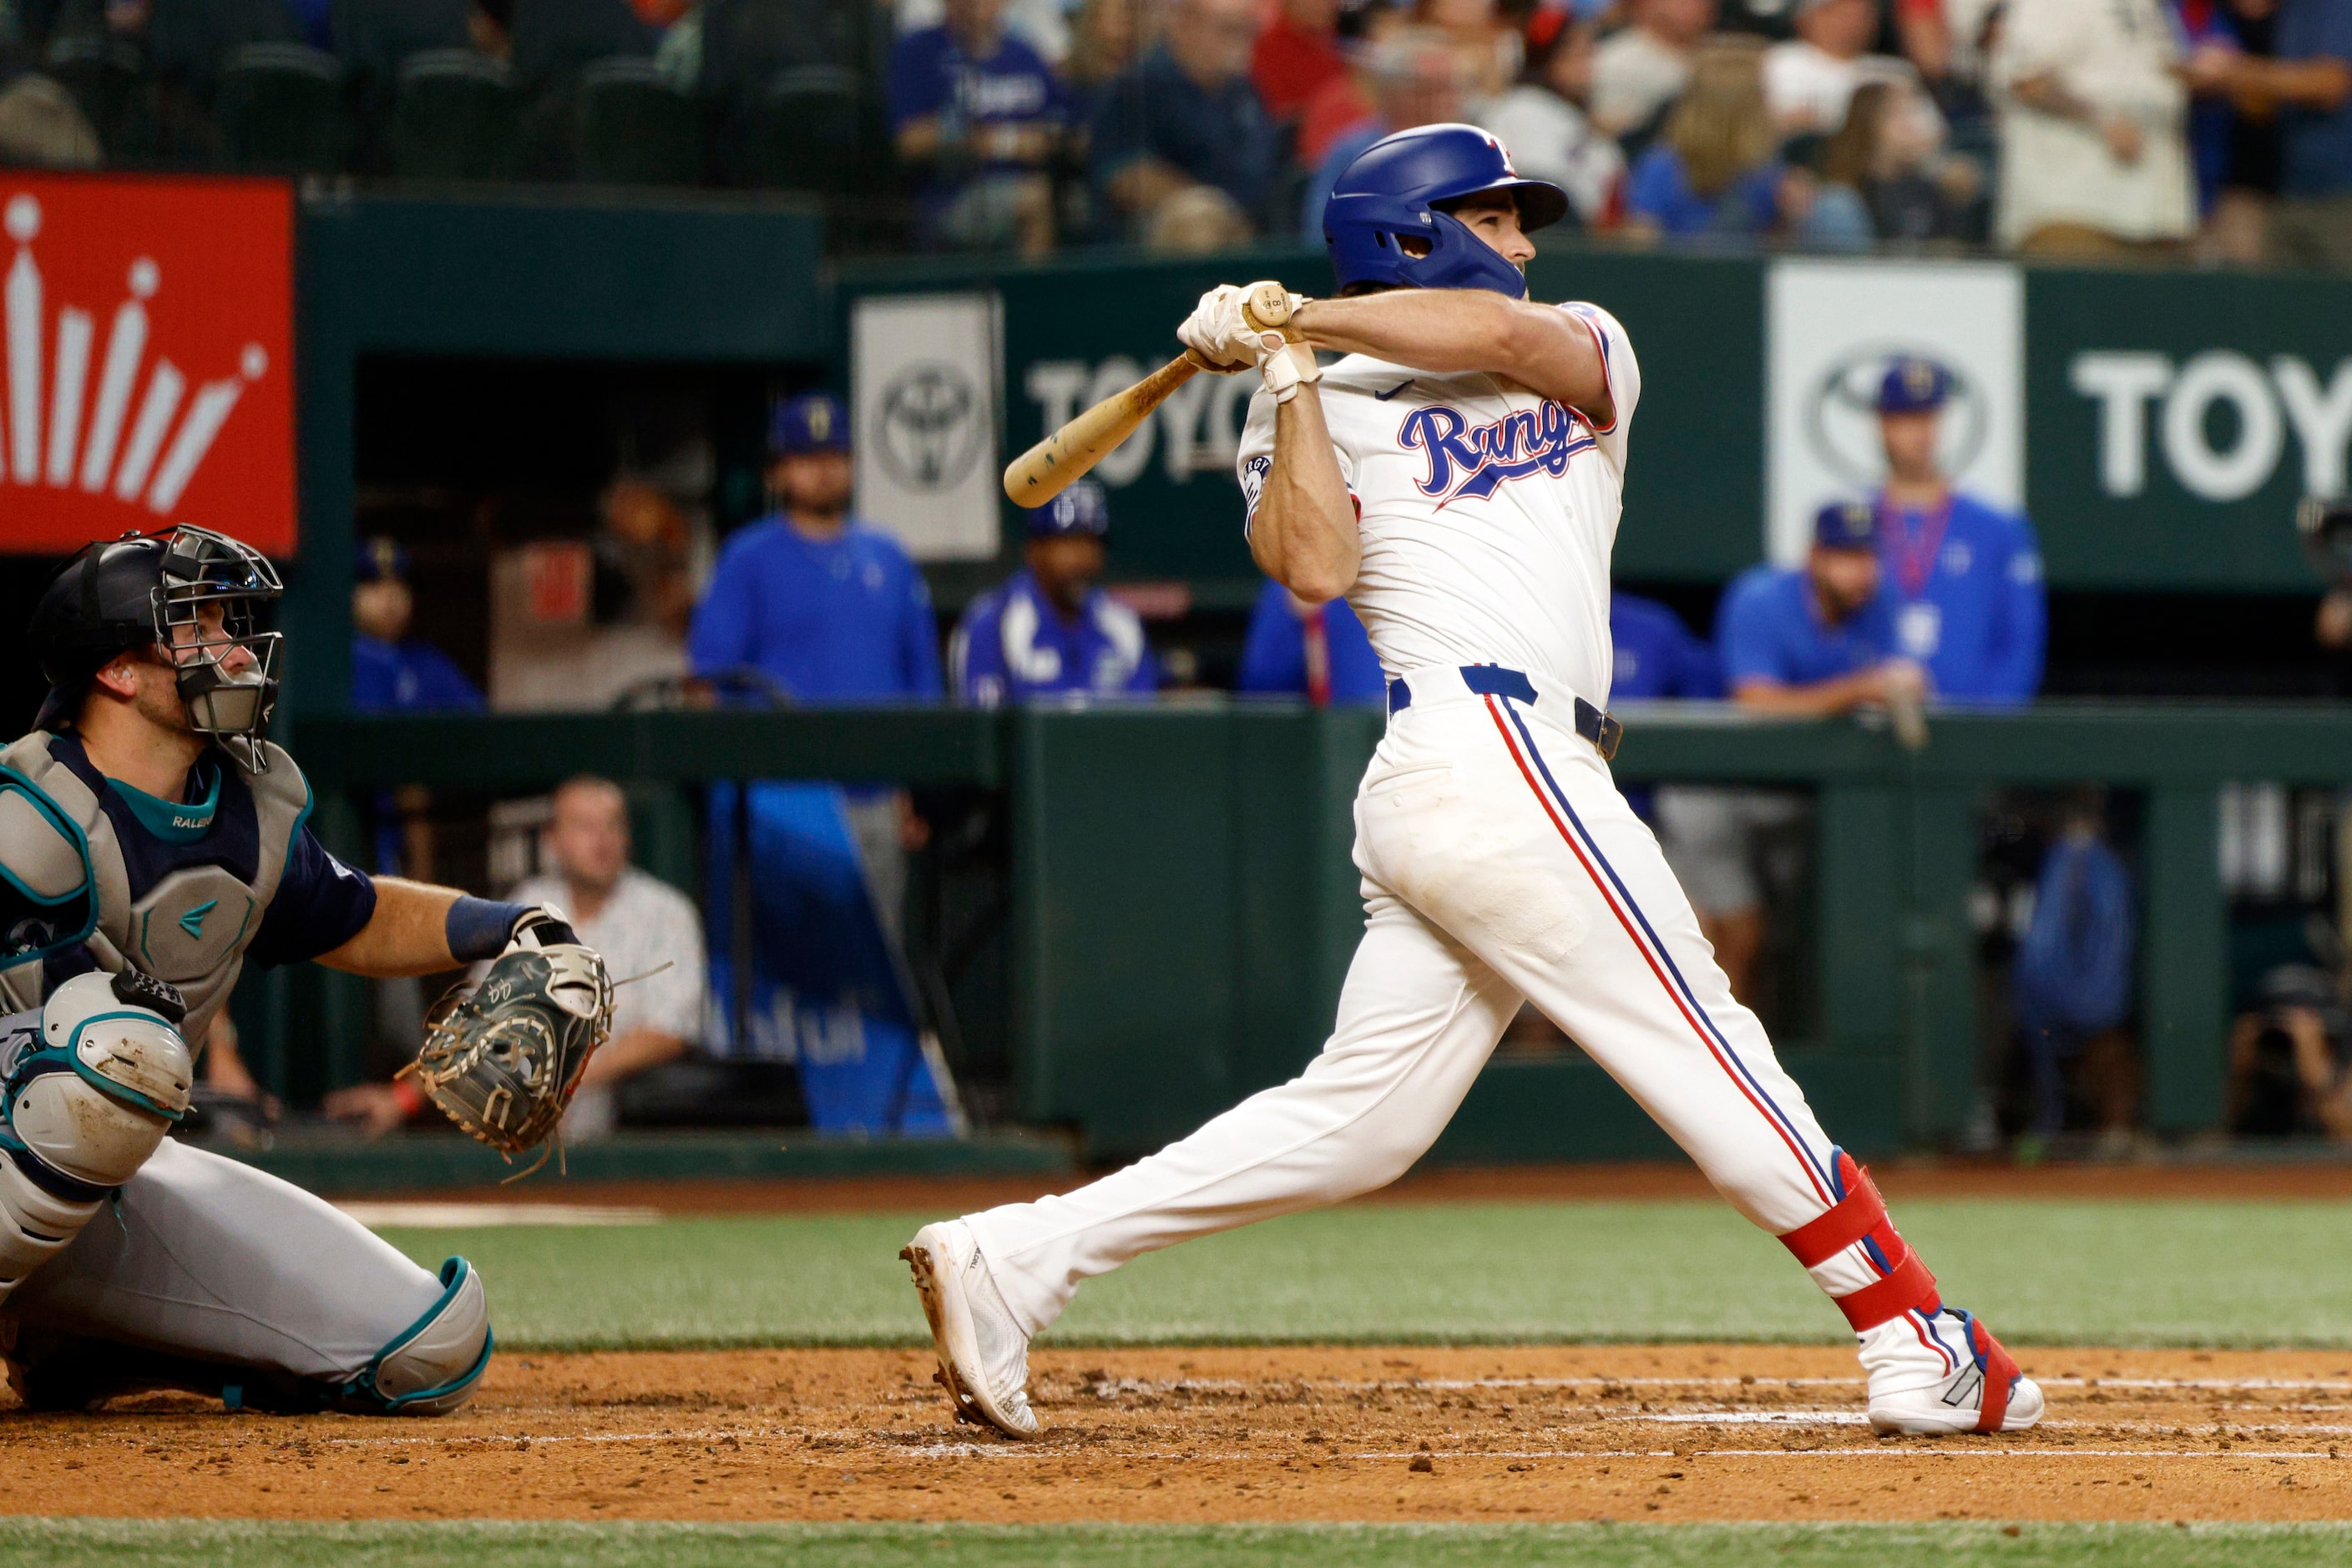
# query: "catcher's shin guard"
87, 1088
431, 1366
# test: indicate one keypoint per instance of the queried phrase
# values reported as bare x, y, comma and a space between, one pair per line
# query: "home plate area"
1238, 1434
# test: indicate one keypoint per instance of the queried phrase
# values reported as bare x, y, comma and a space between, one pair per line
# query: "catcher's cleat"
1942, 1372
983, 1353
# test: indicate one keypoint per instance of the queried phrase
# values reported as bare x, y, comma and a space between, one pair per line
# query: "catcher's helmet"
1402, 186
198, 593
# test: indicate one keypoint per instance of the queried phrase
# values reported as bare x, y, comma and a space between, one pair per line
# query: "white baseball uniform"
1499, 863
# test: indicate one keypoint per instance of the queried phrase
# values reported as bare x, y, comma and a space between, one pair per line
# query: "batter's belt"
1440, 681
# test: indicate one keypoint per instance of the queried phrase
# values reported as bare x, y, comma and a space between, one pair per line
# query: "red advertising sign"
147, 377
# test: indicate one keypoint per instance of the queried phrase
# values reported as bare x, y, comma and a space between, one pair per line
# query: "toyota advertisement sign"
149, 363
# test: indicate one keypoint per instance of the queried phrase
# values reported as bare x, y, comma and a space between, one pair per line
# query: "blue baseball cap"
812, 422
1846, 525
1084, 508
1914, 385
377, 559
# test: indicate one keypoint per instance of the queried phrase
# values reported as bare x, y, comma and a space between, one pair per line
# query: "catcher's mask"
196, 597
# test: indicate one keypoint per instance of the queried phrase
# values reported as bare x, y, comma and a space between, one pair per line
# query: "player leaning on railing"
1457, 476
151, 842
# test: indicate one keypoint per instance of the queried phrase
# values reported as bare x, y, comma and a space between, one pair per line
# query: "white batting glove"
1287, 368
1215, 330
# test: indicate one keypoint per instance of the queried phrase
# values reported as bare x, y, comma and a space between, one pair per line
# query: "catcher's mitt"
503, 1058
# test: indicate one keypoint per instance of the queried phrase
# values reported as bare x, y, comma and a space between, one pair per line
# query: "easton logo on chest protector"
1466, 459
193, 922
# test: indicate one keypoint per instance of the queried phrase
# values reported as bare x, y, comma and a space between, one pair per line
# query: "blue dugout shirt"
1274, 659
1656, 654
843, 620
1968, 594
1768, 629
412, 677
1014, 645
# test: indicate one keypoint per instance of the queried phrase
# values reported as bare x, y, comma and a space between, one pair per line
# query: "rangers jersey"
1488, 512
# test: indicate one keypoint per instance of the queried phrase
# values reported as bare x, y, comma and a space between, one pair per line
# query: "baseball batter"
1457, 476
152, 843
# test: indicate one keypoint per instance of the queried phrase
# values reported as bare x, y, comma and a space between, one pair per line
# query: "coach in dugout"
1050, 630
1966, 576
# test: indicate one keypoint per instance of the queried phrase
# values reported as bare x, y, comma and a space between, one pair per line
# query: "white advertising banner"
924, 371
1833, 327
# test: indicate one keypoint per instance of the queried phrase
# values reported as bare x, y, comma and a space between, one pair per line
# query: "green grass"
168, 1543
2109, 1273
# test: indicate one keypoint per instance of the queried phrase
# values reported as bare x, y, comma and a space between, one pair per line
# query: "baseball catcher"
152, 844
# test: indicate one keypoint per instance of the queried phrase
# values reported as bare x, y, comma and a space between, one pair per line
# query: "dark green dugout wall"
1184, 908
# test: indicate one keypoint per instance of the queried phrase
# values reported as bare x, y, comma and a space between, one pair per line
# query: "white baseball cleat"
983, 1353
1940, 1372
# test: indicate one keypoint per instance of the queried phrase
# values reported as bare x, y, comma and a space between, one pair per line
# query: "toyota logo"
1841, 415
931, 425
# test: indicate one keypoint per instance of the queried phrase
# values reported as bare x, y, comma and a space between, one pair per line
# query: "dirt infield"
1632, 1181
1661, 1433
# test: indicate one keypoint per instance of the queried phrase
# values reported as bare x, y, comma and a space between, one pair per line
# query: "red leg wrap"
1861, 1215
2000, 1372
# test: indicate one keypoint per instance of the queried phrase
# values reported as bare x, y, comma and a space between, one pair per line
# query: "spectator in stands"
1050, 630
42, 127
1044, 26
1413, 78
1966, 576
641, 924
1486, 51
2094, 152
1886, 160
392, 673
1184, 156
1809, 78
2308, 88
827, 609
1818, 641
1715, 169
1296, 56
1641, 69
1319, 652
1543, 120
980, 112
1105, 40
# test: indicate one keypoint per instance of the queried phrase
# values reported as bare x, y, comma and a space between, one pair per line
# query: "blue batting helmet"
1084, 508
1402, 184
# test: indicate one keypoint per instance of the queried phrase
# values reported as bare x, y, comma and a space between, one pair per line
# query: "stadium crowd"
2217, 128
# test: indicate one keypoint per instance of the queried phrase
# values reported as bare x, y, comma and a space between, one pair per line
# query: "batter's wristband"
479, 928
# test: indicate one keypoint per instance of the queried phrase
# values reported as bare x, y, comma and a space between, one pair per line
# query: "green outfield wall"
1183, 905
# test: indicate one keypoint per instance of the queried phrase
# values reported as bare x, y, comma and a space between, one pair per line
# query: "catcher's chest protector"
190, 924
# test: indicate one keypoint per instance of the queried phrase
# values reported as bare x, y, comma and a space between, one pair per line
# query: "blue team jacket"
1012, 645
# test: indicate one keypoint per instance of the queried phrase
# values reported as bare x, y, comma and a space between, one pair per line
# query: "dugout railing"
1182, 905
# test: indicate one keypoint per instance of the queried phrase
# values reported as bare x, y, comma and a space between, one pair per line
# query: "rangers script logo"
1467, 459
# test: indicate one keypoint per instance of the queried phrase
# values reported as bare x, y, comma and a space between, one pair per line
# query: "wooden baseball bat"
1047, 469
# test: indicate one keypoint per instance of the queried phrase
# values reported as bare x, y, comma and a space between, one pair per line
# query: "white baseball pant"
1499, 863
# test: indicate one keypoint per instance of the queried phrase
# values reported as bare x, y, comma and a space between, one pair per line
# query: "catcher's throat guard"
503, 1058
